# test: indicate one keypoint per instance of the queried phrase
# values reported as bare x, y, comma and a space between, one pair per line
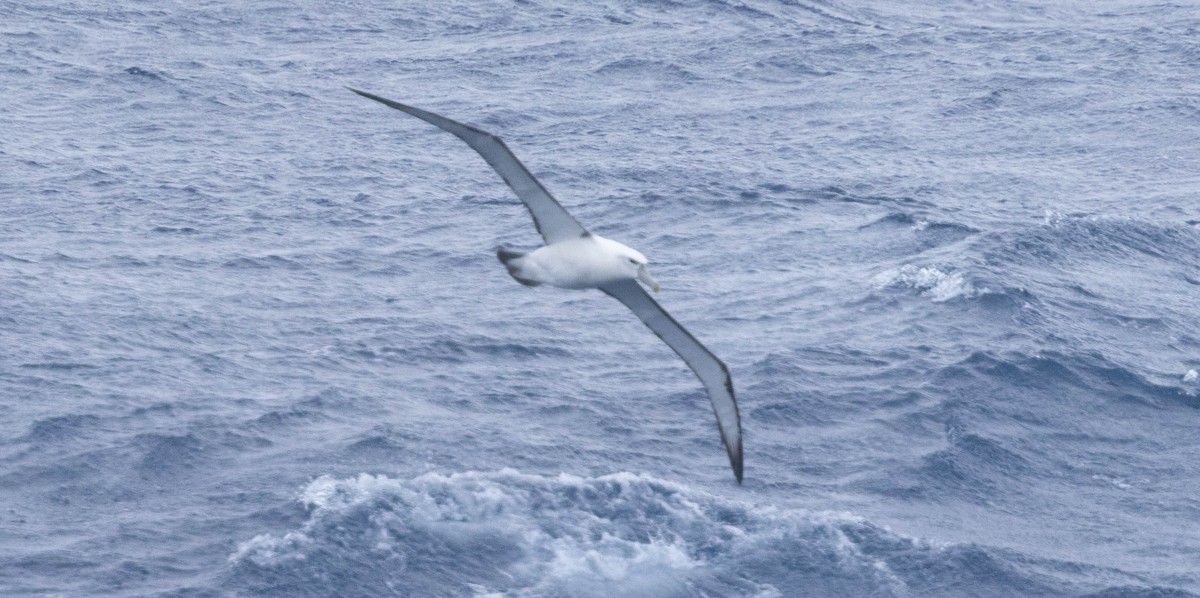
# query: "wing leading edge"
551, 219
711, 371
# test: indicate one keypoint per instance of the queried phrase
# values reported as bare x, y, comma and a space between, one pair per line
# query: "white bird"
574, 258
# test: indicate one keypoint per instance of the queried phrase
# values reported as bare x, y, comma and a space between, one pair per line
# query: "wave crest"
512, 534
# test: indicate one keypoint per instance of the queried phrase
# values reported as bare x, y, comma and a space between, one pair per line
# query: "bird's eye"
632, 261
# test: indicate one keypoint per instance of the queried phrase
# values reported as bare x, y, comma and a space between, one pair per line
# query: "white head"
634, 264
622, 262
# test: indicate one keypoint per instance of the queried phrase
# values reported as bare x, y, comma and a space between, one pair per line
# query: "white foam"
939, 286
571, 532
266, 550
1191, 376
510, 534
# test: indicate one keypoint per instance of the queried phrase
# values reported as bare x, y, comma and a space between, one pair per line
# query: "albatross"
574, 258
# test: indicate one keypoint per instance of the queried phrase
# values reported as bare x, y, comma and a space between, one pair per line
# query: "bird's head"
635, 264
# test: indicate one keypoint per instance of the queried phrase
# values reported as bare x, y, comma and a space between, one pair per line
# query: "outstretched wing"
551, 219
708, 368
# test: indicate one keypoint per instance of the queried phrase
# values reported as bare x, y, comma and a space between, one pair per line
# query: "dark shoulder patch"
585, 234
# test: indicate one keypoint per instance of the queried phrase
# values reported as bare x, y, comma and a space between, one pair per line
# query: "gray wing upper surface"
551, 219
711, 371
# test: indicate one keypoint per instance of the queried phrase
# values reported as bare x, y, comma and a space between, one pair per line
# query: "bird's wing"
711, 371
551, 219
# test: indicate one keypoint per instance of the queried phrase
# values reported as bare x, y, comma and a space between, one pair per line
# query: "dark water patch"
237, 442
786, 67
944, 232
1142, 324
565, 410
54, 564
187, 193
131, 573
92, 177
1087, 239
784, 397
922, 226
264, 263
831, 193
499, 398
54, 475
62, 258
458, 350
167, 455
779, 188
795, 410
1141, 592
375, 444
907, 234
1012, 302
138, 71
779, 366
824, 10
124, 261
275, 420
183, 230
279, 420
387, 440
1050, 384
1109, 379
984, 103
163, 408
973, 467
329, 399
12, 258
956, 570
1082, 291
60, 366
892, 219
61, 428
647, 70
903, 400
820, 385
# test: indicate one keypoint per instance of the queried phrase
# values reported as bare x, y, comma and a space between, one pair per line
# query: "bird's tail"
512, 262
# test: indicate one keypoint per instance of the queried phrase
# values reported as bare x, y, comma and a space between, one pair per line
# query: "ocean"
254, 339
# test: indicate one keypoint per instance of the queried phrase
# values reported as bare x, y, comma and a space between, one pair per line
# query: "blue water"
254, 340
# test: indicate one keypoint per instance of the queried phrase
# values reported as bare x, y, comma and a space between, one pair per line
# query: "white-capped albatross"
573, 258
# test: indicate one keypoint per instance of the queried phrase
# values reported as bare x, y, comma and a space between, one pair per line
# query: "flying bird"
574, 258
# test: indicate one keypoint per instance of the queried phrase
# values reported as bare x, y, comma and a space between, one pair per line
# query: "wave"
928, 281
1086, 373
505, 533
1088, 238
646, 70
60, 428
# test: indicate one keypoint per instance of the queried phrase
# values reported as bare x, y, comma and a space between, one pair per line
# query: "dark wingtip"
371, 96
364, 94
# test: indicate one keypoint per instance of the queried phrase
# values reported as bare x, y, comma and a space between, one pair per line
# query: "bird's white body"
585, 262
